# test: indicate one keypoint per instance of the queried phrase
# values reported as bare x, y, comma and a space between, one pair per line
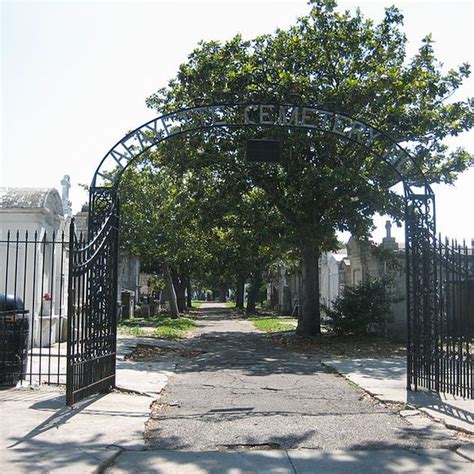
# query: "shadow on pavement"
56, 456
61, 415
434, 402
385, 460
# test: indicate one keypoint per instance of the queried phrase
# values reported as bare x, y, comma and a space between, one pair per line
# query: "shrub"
362, 308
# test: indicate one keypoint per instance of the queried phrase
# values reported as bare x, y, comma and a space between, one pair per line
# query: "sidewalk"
38, 433
386, 381
291, 462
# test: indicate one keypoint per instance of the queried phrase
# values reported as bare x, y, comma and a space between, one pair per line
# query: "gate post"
70, 316
114, 269
421, 283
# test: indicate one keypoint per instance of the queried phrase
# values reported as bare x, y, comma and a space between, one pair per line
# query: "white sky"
75, 75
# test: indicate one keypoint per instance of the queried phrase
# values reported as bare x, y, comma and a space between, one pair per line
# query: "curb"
104, 465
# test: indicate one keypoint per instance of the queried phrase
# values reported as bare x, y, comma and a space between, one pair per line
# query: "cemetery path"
237, 390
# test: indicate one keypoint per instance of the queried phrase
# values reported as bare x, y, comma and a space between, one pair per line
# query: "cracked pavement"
243, 392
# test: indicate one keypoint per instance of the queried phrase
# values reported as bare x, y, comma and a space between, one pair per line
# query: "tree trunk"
189, 294
223, 293
255, 284
309, 322
171, 293
180, 288
181, 296
239, 294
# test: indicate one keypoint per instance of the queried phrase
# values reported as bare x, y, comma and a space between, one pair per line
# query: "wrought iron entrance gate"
440, 304
438, 357
92, 309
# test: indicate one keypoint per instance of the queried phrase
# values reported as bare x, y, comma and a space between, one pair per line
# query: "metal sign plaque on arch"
93, 269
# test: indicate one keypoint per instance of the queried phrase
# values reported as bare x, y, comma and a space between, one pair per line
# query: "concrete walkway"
39, 434
291, 462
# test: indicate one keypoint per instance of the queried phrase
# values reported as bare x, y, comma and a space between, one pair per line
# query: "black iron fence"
441, 339
33, 278
58, 309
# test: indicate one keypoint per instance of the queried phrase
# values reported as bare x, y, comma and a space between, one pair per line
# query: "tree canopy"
342, 62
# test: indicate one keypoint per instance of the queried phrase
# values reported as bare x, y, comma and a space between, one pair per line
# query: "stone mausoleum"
34, 225
353, 265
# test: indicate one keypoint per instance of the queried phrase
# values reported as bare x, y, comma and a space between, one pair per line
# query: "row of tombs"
34, 246
34, 226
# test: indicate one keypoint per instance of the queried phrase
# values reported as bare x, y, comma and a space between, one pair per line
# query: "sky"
75, 76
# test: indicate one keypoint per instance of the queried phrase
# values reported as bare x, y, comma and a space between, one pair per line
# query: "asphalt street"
243, 392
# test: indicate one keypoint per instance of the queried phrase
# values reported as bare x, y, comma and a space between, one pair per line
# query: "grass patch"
136, 331
162, 327
229, 304
273, 324
174, 328
196, 304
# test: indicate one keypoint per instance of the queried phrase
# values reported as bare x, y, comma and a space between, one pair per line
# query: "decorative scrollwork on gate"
92, 304
103, 203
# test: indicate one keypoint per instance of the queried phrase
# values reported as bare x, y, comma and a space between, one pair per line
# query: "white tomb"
31, 266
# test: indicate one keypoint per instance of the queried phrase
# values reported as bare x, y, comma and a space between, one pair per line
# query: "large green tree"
345, 63
159, 224
189, 223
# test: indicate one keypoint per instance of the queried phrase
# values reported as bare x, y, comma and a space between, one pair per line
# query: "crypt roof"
31, 198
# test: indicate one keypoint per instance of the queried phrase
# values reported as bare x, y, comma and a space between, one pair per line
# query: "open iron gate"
440, 305
92, 309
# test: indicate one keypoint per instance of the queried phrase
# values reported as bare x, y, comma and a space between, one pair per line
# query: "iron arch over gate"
93, 269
